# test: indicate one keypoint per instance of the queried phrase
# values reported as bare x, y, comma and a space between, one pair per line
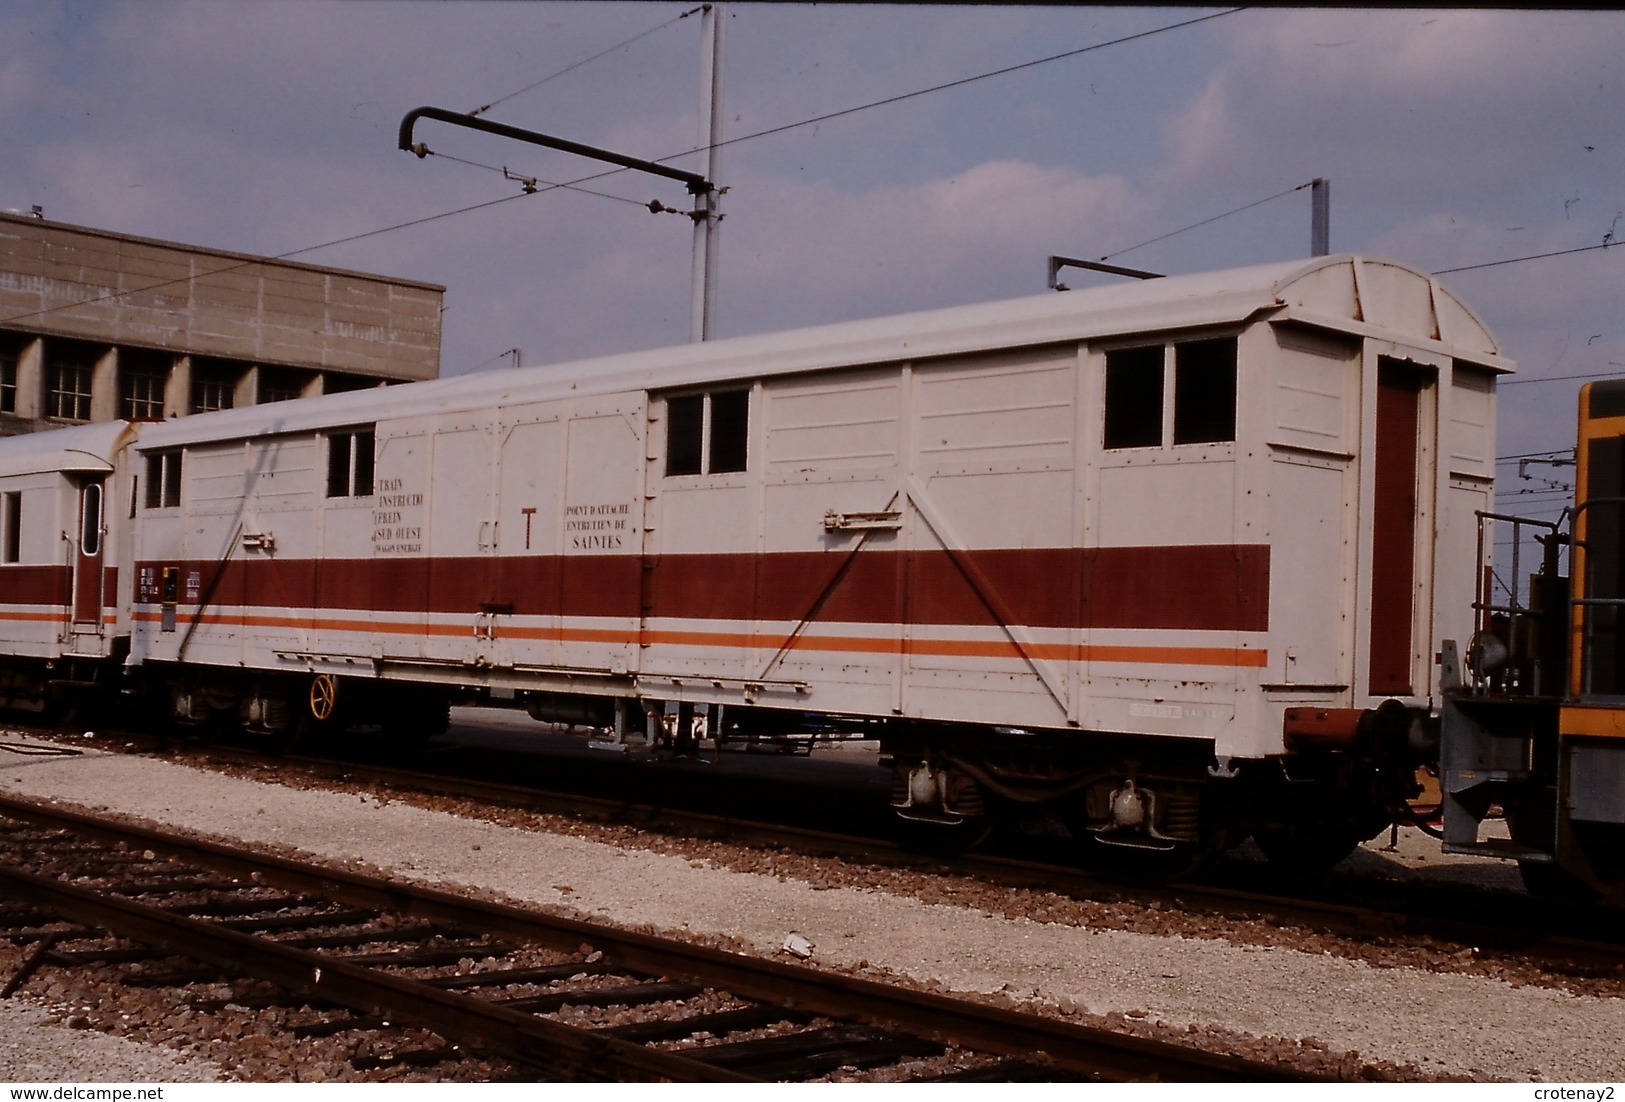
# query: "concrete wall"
71, 281
63, 287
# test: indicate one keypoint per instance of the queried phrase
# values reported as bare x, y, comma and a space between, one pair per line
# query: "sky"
1451, 139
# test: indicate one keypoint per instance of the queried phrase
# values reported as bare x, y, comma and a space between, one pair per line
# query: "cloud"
983, 233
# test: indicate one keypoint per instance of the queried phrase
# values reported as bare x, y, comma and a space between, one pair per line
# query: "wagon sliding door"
460, 540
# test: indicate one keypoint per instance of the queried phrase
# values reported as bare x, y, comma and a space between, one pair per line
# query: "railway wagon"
64, 602
1164, 562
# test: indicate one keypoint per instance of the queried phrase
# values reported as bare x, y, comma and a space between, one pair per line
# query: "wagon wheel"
324, 696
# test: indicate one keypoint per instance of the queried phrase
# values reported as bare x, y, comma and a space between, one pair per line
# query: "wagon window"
163, 480
11, 527
708, 433
685, 431
730, 422
1134, 397
350, 463
1205, 391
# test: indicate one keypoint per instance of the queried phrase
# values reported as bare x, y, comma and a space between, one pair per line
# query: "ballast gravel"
1426, 1022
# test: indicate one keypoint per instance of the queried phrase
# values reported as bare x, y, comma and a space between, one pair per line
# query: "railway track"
351, 953
1576, 940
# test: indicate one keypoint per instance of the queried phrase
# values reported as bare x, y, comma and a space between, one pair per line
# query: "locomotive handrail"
1486, 602
1513, 634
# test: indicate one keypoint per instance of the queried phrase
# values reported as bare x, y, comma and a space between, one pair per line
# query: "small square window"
143, 395
350, 463
69, 397
730, 431
163, 480
1134, 397
708, 433
1205, 391
685, 434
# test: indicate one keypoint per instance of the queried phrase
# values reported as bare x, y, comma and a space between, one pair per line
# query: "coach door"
88, 560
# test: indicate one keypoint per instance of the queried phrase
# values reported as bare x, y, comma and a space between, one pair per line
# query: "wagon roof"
88, 448
1351, 293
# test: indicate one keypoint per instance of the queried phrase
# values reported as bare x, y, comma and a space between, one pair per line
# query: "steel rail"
1522, 926
482, 1025
1065, 1046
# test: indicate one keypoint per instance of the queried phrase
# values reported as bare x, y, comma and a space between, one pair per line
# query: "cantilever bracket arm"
697, 184
1056, 263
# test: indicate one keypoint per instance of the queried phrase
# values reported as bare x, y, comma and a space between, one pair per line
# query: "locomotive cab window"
707, 433
163, 480
350, 463
1202, 378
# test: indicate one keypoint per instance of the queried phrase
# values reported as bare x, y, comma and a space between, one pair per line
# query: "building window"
350, 463
163, 480
209, 395
276, 386
141, 395
11, 527
1202, 378
708, 433
8, 380
69, 398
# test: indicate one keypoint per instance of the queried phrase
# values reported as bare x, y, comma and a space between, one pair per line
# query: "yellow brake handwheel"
324, 695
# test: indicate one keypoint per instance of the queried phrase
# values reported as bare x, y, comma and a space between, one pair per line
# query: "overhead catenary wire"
960, 83
1215, 218
535, 183
1605, 244
586, 61
1563, 378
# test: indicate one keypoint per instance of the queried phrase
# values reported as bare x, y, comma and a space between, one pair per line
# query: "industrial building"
97, 326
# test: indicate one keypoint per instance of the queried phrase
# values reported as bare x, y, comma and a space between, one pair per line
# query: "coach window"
11, 527
163, 480
350, 462
708, 433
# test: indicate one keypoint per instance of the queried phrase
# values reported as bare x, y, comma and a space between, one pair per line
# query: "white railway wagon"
64, 604
1149, 557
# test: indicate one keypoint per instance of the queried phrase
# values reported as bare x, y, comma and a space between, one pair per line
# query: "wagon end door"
1402, 518
89, 559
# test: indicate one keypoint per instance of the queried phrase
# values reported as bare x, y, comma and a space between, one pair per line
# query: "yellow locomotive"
1534, 717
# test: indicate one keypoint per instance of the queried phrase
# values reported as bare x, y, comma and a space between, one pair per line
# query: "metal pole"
1320, 217
703, 290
